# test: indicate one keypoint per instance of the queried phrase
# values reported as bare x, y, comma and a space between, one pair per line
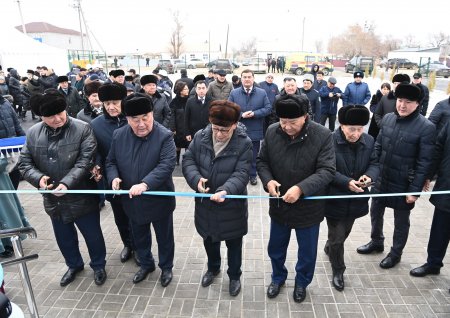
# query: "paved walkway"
370, 291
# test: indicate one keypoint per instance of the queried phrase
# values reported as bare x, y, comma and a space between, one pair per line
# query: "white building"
54, 36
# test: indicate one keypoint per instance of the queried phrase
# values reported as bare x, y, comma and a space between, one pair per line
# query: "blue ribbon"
228, 196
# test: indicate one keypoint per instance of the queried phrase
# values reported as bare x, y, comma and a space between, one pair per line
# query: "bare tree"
436, 40
319, 45
177, 37
248, 48
410, 41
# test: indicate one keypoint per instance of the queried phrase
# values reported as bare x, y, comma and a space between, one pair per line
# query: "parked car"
359, 63
166, 65
257, 65
437, 67
196, 63
179, 64
224, 64
402, 63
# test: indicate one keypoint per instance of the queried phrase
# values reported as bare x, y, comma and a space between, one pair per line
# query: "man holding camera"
330, 96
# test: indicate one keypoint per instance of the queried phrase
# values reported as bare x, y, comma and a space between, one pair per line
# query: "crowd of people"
127, 132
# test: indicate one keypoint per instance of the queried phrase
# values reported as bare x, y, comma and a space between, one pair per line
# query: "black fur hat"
91, 88
408, 91
400, 78
112, 91
50, 103
137, 104
146, 79
62, 79
291, 106
357, 115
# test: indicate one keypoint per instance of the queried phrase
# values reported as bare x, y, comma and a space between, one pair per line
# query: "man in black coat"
141, 158
356, 168
440, 227
196, 115
74, 101
417, 80
296, 159
404, 147
59, 155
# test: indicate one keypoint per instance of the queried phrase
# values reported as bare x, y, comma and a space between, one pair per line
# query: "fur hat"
30, 72
146, 79
400, 78
91, 88
137, 104
199, 77
408, 91
116, 73
291, 106
62, 79
128, 78
357, 115
112, 91
50, 103
224, 113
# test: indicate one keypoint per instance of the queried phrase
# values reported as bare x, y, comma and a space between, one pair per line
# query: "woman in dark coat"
356, 168
218, 161
384, 90
177, 108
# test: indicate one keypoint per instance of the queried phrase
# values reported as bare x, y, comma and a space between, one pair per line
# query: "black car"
401, 63
359, 63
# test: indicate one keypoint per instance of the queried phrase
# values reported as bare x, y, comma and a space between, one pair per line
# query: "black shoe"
235, 287
142, 274
100, 276
369, 248
208, 278
424, 270
9, 252
338, 280
253, 181
166, 277
274, 289
389, 261
126, 253
299, 294
69, 276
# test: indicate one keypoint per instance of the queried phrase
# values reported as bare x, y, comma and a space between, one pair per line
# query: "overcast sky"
124, 26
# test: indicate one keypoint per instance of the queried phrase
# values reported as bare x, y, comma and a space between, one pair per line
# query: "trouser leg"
401, 231
234, 252
377, 220
439, 238
277, 250
213, 252
166, 243
307, 239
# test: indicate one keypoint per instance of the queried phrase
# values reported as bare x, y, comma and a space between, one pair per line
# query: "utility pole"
24, 29
209, 46
78, 6
303, 32
226, 45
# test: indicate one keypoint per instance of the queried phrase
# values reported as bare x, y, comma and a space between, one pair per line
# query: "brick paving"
370, 291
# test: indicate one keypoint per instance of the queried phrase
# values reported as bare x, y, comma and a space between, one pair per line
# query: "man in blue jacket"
357, 92
329, 97
142, 158
255, 106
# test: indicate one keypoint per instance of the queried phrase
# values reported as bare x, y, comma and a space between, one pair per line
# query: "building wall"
63, 41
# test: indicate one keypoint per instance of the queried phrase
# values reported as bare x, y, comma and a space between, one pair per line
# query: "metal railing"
21, 260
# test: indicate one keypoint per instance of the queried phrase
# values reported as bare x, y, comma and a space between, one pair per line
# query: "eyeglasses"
221, 130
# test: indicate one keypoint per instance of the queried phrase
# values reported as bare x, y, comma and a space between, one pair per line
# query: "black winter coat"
74, 101
352, 161
385, 106
9, 123
441, 166
177, 122
404, 147
228, 171
440, 114
66, 155
307, 161
150, 159
196, 114
15, 88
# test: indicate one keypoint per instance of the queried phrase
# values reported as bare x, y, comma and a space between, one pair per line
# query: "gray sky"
124, 26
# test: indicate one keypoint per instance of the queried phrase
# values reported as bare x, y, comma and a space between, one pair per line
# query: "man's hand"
411, 199
248, 114
353, 186
59, 188
292, 195
426, 186
96, 173
219, 196
116, 184
43, 183
201, 186
137, 189
274, 188
188, 137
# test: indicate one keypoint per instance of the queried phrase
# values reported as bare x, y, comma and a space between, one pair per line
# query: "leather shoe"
235, 287
142, 274
299, 294
253, 181
274, 289
424, 270
166, 277
100, 276
389, 261
208, 278
338, 280
125, 255
369, 248
69, 276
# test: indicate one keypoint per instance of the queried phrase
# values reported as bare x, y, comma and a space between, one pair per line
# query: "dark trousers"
331, 120
67, 239
164, 236
122, 222
234, 255
439, 238
307, 239
14, 175
338, 231
256, 146
401, 227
